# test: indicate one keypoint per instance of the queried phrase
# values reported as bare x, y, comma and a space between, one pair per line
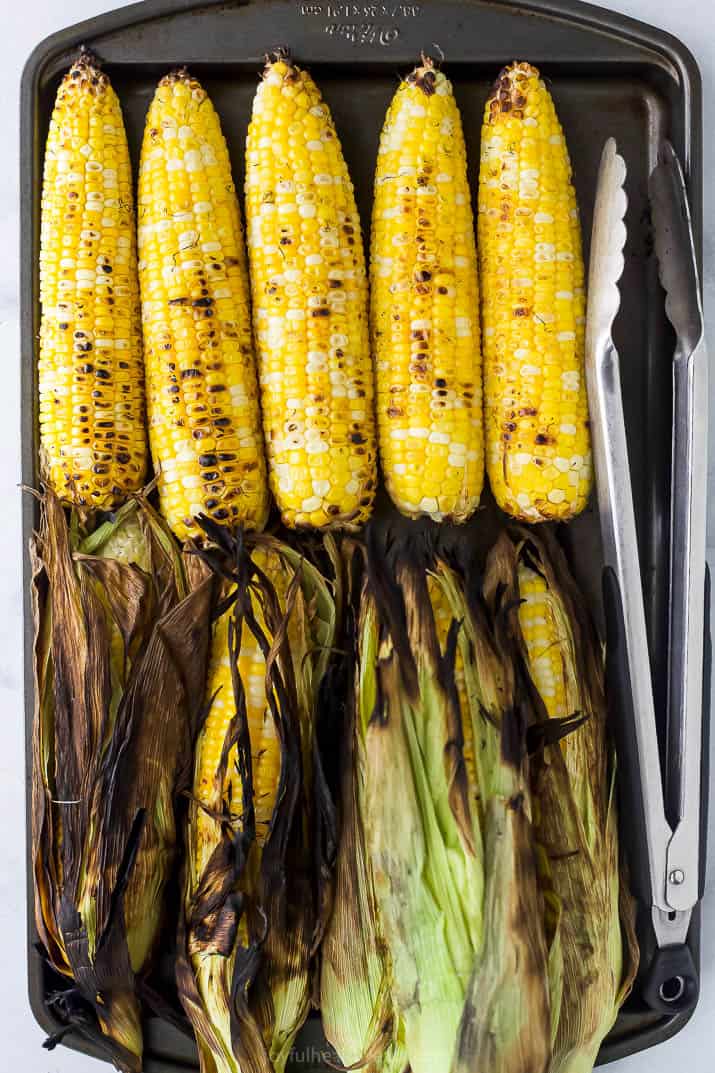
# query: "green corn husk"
120, 655
441, 807
358, 1014
245, 939
573, 786
506, 1025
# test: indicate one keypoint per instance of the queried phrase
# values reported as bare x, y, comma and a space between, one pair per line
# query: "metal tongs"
665, 857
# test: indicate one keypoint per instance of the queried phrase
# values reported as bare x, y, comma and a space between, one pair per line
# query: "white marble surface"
24, 23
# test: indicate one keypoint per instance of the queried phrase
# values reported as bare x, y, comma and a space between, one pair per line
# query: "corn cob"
548, 641
91, 383
574, 785
309, 293
454, 973
425, 305
202, 395
219, 792
265, 746
121, 661
247, 906
532, 277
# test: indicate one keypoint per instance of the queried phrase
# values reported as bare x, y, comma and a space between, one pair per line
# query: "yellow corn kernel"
425, 305
532, 278
202, 393
90, 373
309, 292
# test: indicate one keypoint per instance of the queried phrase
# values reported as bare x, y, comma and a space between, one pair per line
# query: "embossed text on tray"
362, 24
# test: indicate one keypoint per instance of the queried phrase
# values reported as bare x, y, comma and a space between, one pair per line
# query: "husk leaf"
119, 666
423, 835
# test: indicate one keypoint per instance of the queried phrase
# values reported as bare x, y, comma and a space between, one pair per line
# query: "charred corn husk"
202, 392
507, 1017
444, 811
248, 915
533, 312
356, 1003
425, 305
574, 788
120, 662
90, 375
309, 291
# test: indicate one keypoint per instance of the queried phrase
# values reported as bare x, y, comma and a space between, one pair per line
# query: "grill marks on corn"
424, 311
309, 292
204, 415
91, 385
533, 312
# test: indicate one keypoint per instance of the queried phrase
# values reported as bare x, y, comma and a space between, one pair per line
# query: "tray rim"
576, 12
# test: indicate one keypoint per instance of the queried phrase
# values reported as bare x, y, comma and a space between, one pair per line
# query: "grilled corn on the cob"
202, 394
91, 381
219, 796
574, 784
121, 659
454, 975
425, 305
309, 292
248, 910
532, 279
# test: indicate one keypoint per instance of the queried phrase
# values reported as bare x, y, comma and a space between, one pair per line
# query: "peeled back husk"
120, 657
243, 969
574, 788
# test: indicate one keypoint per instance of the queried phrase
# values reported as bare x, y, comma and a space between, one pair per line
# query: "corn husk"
245, 941
445, 839
506, 1025
574, 788
120, 657
358, 1013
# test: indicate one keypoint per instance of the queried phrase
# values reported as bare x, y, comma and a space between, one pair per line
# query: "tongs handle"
687, 624
623, 726
628, 663
705, 756
671, 984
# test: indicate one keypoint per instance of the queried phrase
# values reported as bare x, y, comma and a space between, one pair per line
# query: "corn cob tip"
280, 62
85, 72
425, 76
181, 76
508, 92
177, 74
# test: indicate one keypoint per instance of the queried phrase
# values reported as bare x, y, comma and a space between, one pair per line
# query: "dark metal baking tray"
609, 75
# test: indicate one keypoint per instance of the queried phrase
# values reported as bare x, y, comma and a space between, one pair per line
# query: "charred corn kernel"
218, 795
202, 393
309, 291
91, 381
532, 278
425, 305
